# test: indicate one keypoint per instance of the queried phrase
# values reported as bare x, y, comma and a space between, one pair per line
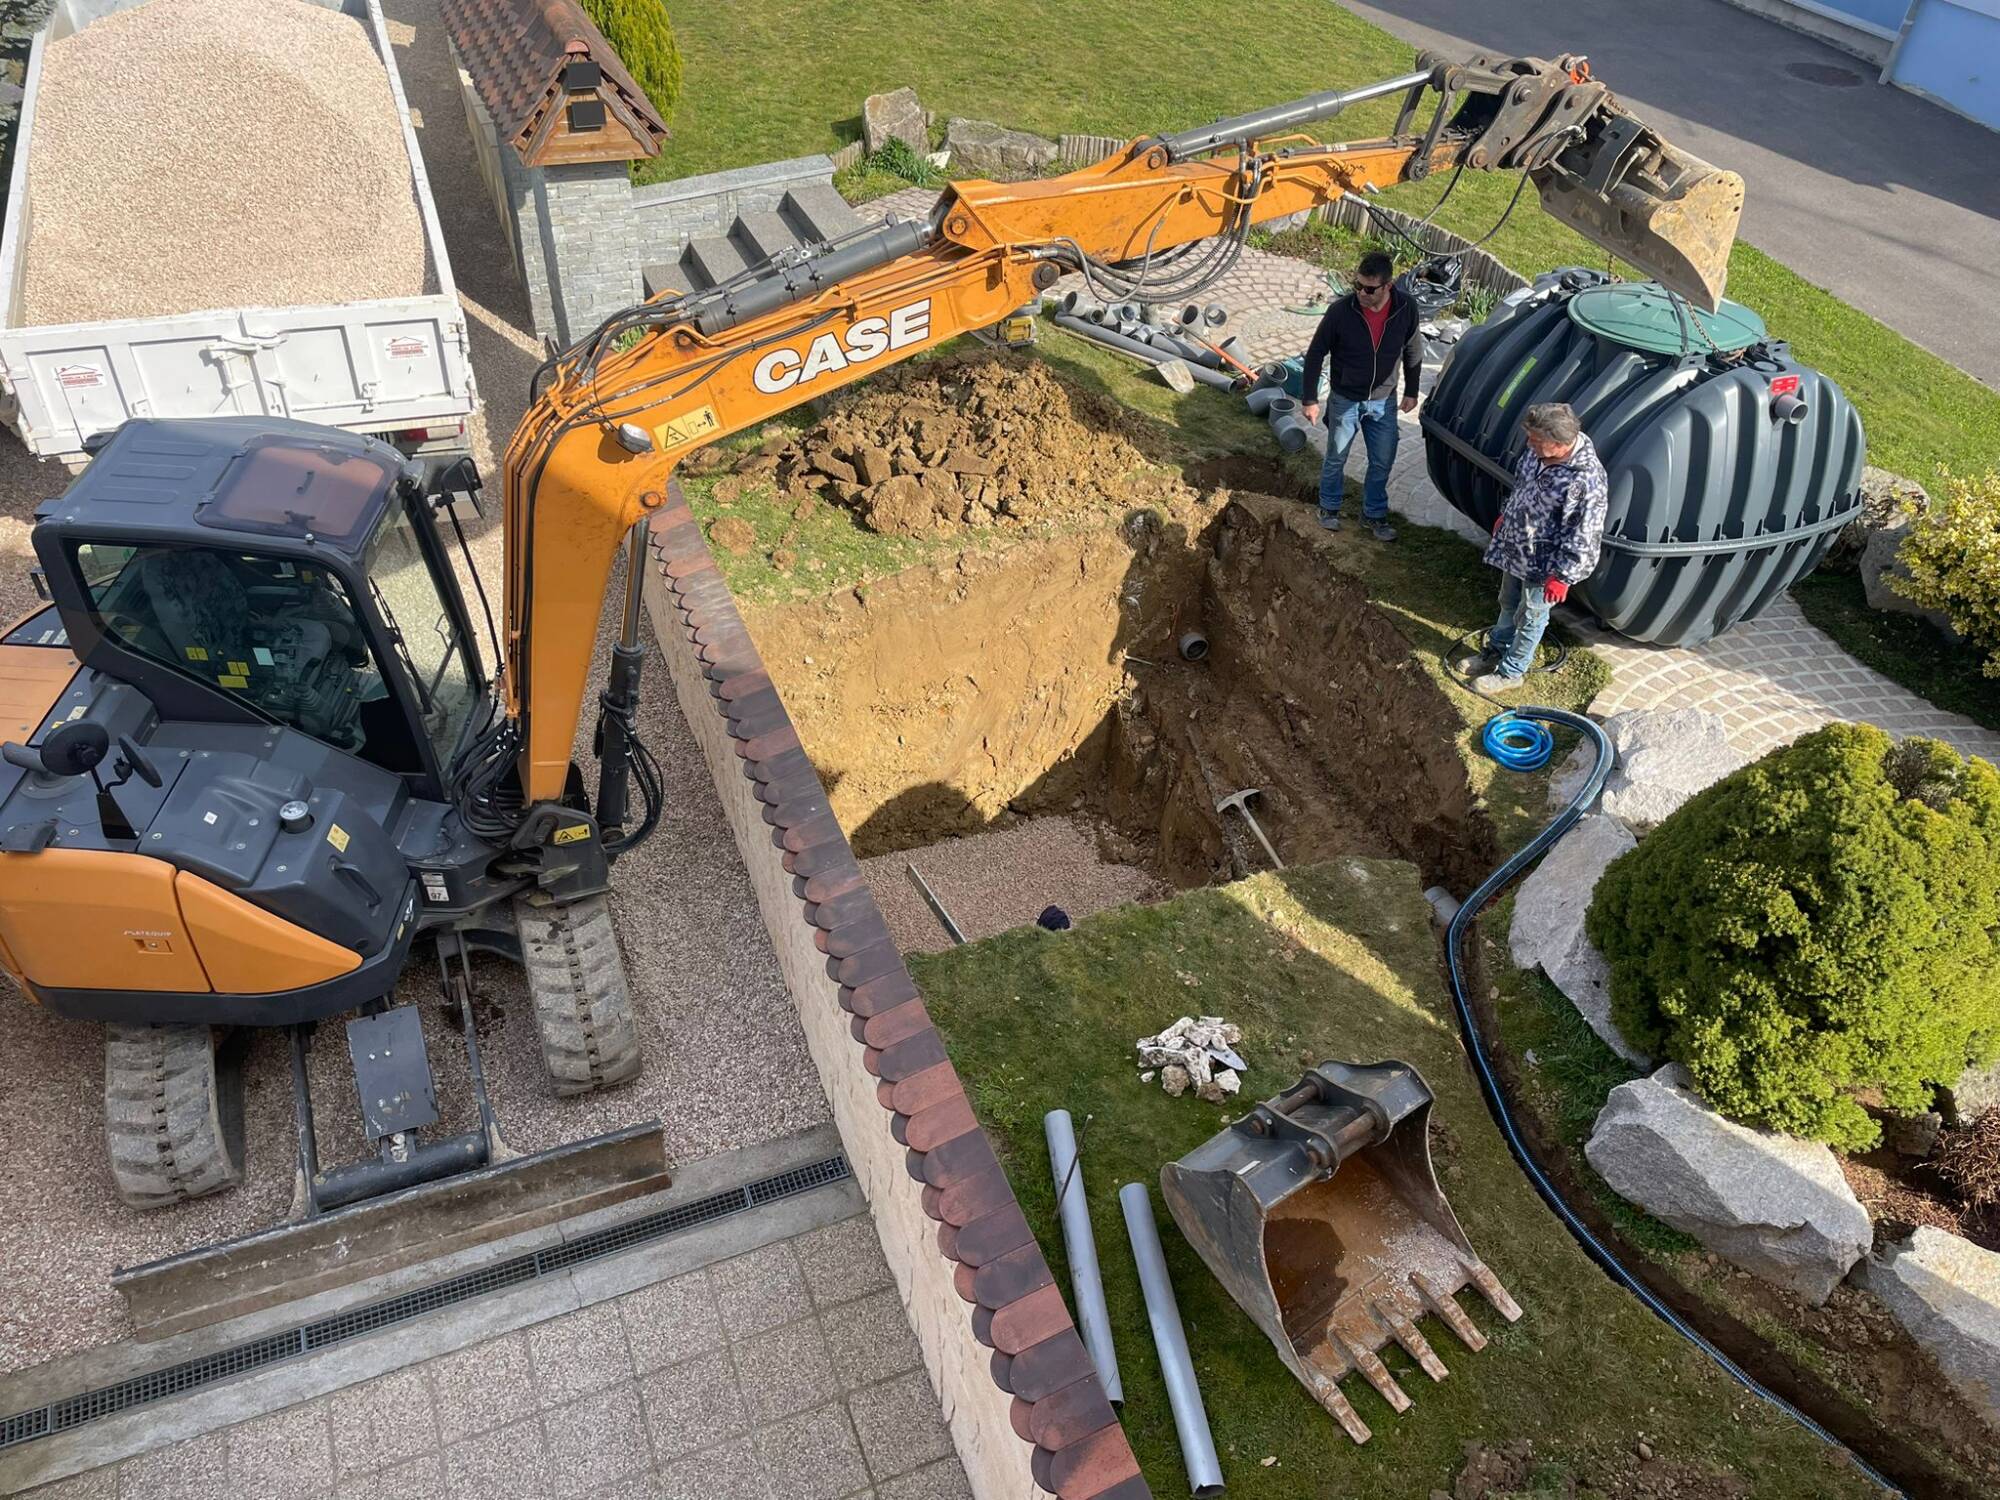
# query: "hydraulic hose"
1489, 1083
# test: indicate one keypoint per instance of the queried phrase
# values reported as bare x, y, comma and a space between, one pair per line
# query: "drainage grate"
294, 1343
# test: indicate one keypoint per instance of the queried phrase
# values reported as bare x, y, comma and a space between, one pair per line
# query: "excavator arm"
612, 415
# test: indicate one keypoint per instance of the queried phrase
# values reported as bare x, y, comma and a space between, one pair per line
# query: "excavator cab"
228, 800
1319, 1213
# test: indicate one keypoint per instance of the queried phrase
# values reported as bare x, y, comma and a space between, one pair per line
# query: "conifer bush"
1821, 923
643, 37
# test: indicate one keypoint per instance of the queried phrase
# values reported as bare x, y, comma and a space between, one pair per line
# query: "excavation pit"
1052, 678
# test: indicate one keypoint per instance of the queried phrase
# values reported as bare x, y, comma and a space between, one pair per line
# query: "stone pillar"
584, 212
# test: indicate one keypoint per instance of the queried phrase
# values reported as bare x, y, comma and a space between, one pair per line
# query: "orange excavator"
254, 765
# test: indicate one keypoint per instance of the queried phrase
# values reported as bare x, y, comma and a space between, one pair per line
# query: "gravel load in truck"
195, 154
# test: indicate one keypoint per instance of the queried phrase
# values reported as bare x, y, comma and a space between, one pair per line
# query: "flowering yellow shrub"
1953, 558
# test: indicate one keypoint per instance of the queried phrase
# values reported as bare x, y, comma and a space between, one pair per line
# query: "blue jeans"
1376, 421
1524, 615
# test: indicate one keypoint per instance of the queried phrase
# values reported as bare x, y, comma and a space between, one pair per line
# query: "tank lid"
1642, 315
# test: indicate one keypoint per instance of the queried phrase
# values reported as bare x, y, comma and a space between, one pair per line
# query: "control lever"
27, 758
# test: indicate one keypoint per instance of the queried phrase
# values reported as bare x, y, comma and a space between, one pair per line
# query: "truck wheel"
173, 1125
583, 1006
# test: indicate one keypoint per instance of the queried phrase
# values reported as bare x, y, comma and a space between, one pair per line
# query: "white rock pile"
1195, 1052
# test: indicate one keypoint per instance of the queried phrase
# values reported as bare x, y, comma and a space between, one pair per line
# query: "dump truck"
394, 367
261, 768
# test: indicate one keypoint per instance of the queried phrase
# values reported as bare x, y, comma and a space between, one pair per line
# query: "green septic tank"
1732, 466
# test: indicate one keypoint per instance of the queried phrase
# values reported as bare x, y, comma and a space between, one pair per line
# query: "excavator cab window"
280, 634
422, 628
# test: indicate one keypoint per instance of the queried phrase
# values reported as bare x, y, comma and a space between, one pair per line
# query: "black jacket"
1361, 371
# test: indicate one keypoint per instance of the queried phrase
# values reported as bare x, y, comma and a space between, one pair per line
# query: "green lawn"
787, 77
1333, 961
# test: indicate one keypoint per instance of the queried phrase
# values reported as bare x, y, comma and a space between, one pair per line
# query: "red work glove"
1555, 590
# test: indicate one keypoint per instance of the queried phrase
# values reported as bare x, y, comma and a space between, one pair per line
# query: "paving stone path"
787, 1372
1771, 679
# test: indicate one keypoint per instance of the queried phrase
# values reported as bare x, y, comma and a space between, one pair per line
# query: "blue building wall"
1951, 52
1885, 14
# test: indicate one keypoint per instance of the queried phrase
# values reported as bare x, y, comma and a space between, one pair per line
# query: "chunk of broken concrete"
1665, 756
1548, 934
1777, 1206
1946, 1292
895, 116
983, 149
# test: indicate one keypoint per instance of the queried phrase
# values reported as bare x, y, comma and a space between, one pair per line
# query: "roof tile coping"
1013, 1303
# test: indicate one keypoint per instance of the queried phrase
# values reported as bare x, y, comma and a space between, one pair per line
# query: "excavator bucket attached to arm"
1598, 168
1320, 1214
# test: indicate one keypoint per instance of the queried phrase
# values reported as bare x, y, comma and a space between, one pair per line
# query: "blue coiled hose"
1519, 744
1502, 734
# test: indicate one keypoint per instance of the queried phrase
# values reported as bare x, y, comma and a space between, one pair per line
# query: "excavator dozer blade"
388, 1233
1648, 202
1319, 1213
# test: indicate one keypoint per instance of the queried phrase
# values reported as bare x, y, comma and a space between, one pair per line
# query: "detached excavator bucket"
1320, 1214
1650, 203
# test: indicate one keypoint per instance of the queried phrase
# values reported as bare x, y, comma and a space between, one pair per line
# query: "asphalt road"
1888, 201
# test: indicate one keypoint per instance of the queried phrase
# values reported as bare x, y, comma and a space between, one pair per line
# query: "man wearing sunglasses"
1362, 339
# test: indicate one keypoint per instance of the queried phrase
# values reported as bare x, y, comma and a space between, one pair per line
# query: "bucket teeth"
1374, 1371
1489, 1286
1341, 1411
1412, 1339
1449, 1312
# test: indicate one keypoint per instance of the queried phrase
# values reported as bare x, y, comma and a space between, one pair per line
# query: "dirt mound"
976, 440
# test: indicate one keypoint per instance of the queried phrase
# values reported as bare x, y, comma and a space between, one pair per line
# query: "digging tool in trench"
1319, 1212
1241, 802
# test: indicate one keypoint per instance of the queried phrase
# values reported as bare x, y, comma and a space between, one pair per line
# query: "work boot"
1330, 520
1383, 531
1494, 682
1477, 663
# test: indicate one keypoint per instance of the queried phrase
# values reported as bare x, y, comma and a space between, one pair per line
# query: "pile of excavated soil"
194, 154
979, 440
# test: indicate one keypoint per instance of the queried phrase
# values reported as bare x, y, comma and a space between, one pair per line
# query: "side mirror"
447, 482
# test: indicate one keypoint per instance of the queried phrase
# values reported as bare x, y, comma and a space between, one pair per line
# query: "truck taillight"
431, 434
1785, 385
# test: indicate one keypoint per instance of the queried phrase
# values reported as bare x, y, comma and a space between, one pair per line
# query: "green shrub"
1953, 555
896, 157
644, 39
1822, 922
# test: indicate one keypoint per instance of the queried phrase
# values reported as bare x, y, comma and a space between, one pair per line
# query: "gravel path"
193, 154
994, 882
726, 1063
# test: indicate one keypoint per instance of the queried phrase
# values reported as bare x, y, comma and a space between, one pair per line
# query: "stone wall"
1023, 1402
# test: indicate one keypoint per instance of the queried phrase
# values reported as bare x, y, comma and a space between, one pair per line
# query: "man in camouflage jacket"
1546, 540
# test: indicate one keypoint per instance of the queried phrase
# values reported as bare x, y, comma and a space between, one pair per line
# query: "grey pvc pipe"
1259, 401
1147, 352
1170, 1339
1290, 428
1080, 1247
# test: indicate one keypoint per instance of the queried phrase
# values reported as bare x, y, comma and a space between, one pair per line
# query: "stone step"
711, 260
761, 235
658, 279
817, 212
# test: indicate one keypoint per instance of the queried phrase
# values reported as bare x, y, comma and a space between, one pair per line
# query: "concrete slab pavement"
1889, 202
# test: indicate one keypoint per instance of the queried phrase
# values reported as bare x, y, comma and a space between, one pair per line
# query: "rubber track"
583, 1003
162, 1115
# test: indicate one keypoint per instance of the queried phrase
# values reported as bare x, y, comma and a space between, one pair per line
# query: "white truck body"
396, 367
